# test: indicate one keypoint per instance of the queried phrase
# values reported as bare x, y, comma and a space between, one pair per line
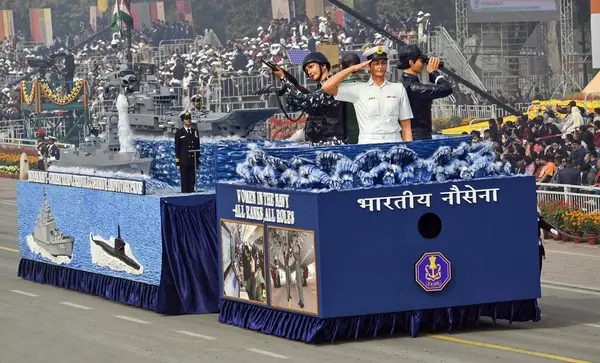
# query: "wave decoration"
397, 166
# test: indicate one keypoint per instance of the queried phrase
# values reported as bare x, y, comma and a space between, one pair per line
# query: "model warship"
154, 109
118, 251
47, 235
104, 154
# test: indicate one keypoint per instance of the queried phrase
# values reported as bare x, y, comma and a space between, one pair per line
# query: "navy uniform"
378, 108
542, 224
186, 139
323, 124
421, 95
53, 150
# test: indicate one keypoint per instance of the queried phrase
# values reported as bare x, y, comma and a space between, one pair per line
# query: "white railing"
464, 111
169, 48
586, 198
29, 143
15, 131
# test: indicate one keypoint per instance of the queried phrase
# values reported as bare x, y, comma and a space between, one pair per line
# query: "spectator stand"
167, 48
49, 106
24, 48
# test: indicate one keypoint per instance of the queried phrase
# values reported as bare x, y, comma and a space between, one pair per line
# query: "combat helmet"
315, 57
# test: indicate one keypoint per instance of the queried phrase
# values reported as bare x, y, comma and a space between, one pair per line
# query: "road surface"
40, 323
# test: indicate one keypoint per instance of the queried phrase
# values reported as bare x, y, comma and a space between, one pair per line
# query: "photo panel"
293, 270
244, 261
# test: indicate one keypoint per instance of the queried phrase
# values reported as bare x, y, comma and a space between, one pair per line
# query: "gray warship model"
47, 235
104, 154
154, 109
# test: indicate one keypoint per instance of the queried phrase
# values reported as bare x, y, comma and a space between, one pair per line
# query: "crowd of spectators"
558, 150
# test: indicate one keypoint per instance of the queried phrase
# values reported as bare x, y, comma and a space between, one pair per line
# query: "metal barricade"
168, 48
13, 129
145, 54
21, 46
586, 198
242, 86
464, 111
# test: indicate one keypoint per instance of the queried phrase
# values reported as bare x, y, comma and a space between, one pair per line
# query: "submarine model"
118, 251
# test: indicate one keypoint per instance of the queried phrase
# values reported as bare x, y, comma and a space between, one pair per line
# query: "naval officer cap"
185, 115
378, 52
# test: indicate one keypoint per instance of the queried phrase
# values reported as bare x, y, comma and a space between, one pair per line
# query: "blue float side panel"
367, 259
88, 215
305, 219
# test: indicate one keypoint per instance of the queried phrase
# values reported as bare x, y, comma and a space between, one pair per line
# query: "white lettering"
368, 203
407, 200
470, 195
263, 206
87, 182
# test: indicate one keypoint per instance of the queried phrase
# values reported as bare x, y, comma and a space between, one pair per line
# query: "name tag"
391, 97
182, 137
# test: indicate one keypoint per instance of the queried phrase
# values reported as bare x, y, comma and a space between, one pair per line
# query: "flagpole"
129, 54
129, 35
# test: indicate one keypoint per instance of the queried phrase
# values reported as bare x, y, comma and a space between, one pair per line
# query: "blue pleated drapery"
190, 268
112, 288
316, 330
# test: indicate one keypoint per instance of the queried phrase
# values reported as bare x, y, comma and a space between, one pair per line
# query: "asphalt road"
40, 323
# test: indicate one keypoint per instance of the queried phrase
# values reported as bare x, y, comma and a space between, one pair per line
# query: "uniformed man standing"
421, 96
186, 140
53, 150
382, 108
323, 126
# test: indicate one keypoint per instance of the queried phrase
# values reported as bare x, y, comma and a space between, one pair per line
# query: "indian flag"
121, 14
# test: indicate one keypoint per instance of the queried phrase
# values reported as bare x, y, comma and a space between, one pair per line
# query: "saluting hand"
358, 67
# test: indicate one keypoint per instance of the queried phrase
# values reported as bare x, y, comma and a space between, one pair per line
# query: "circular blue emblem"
433, 271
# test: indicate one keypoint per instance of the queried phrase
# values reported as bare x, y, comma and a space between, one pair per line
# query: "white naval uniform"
378, 109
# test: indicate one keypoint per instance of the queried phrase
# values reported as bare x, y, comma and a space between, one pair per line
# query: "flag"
102, 5
121, 14
125, 13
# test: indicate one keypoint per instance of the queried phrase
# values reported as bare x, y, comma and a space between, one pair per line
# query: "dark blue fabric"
189, 282
112, 288
315, 330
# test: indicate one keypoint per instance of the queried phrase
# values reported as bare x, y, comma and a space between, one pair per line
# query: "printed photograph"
292, 270
244, 268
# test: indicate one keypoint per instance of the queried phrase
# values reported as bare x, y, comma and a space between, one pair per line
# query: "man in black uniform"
323, 125
542, 224
186, 140
421, 96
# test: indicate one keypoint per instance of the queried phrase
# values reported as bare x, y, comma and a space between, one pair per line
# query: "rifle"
370, 23
293, 80
289, 77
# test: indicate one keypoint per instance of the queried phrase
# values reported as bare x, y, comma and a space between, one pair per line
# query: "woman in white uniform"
382, 108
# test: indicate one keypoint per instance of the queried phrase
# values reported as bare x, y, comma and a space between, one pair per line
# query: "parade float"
316, 244
347, 242
105, 218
